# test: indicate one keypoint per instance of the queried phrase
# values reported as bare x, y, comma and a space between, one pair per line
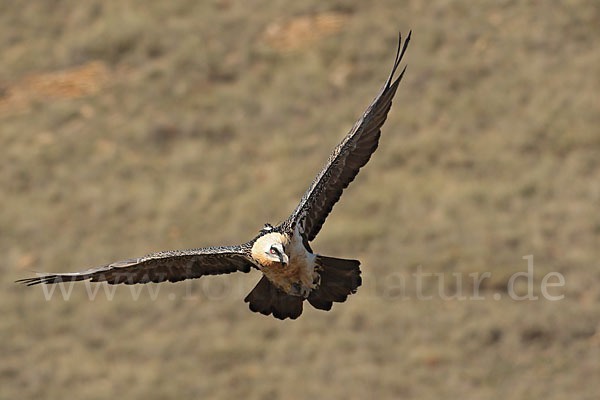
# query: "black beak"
283, 259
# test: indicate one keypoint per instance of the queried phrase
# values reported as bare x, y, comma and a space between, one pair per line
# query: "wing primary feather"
399, 55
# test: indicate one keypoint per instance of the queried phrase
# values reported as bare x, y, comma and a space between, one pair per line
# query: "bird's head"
270, 248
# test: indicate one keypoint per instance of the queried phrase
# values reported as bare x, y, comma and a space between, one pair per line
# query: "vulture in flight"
291, 272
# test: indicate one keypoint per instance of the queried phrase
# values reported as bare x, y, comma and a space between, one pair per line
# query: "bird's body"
298, 276
291, 271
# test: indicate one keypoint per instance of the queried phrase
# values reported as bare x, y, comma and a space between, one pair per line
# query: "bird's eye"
273, 251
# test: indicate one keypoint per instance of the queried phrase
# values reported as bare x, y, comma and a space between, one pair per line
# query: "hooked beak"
284, 259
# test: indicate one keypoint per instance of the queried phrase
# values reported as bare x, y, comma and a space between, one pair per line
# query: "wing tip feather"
44, 279
402, 46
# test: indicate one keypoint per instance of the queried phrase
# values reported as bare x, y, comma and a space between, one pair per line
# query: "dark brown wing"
346, 159
170, 266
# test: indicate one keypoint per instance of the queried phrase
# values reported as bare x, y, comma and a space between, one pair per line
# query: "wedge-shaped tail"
267, 299
339, 279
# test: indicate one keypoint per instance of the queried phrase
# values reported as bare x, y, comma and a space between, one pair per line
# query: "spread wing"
346, 159
170, 266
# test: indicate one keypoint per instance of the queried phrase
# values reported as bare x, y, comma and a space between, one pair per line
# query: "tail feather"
265, 298
339, 279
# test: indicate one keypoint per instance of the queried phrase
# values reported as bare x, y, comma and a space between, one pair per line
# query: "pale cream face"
271, 249
299, 263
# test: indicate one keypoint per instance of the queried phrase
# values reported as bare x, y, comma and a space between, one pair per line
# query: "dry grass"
304, 30
79, 81
200, 129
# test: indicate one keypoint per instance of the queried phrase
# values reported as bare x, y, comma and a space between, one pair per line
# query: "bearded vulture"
291, 272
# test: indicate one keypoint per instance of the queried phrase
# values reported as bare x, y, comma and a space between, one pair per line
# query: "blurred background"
129, 127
